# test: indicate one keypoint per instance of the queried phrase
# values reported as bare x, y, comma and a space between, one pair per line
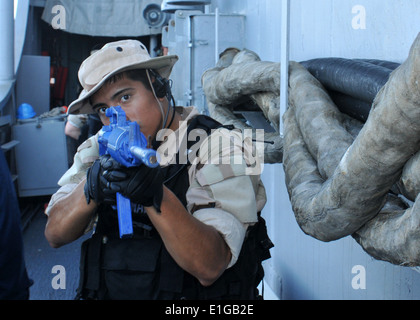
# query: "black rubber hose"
357, 79
353, 107
382, 63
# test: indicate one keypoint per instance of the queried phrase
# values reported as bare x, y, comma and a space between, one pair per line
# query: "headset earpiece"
161, 86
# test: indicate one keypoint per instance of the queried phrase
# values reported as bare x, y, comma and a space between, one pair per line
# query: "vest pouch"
129, 268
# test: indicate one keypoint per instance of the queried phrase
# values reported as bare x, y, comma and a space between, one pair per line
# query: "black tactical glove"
95, 187
142, 185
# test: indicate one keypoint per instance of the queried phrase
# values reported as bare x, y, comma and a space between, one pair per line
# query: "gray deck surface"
41, 258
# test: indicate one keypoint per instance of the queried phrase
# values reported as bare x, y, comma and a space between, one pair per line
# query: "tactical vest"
141, 267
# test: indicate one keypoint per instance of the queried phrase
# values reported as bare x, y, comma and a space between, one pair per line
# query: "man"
14, 281
190, 220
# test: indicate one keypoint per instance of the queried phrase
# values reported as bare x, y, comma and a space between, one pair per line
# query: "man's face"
139, 104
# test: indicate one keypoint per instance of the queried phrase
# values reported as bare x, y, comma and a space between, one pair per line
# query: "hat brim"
163, 65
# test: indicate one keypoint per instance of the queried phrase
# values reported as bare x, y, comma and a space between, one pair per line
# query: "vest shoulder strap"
207, 124
203, 122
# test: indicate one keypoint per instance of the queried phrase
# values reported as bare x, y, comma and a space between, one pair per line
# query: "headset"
162, 88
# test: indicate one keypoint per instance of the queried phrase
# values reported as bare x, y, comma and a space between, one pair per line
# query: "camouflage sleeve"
86, 154
222, 191
62, 192
78, 120
231, 229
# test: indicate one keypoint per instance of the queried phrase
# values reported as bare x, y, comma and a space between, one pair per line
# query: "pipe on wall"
7, 44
